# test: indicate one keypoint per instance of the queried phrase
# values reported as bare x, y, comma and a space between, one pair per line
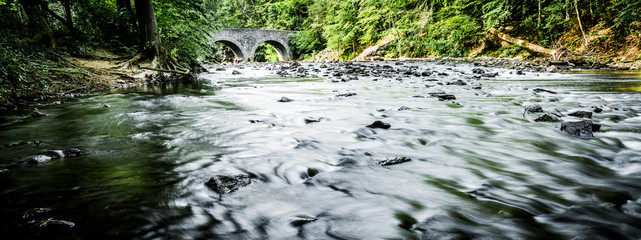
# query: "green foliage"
265, 53
629, 13
23, 69
185, 27
102, 23
306, 43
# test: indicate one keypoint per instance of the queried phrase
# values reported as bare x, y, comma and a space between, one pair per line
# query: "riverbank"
71, 77
101, 73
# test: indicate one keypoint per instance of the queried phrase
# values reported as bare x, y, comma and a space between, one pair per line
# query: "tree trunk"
126, 6
578, 18
522, 43
151, 45
38, 24
69, 19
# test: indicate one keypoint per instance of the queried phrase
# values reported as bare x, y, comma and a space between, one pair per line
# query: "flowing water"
480, 166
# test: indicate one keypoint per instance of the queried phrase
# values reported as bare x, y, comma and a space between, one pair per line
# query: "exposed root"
127, 64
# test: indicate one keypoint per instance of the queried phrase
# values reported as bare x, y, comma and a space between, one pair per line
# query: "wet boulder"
581, 114
533, 108
457, 83
299, 221
583, 129
490, 75
394, 161
53, 154
312, 120
38, 159
38, 114
285, 99
546, 118
443, 96
72, 152
478, 71
223, 184
235, 72
379, 124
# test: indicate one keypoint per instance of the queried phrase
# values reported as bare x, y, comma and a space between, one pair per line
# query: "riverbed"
474, 165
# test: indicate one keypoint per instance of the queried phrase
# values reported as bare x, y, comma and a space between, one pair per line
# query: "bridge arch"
234, 46
281, 48
244, 42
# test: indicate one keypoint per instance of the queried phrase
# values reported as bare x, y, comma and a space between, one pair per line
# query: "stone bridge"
244, 42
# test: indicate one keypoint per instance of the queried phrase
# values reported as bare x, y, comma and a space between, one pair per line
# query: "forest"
38, 36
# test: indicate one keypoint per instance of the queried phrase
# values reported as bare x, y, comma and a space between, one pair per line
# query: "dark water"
480, 169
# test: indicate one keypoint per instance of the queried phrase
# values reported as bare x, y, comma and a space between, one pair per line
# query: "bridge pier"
244, 42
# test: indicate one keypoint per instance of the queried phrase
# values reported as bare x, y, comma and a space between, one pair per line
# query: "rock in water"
37, 114
53, 154
394, 161
72, 152
534, 108
539, 90
223, 184
235, 72
478, 71
379, 124
457, 83
38, 159
302, 220
582, 129
312, 120
346, 95
443, 96
581, 114
285, 99
546, 118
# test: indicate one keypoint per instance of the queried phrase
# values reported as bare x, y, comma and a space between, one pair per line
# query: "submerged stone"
285, 99
539, 90
302, 220
37, 114
379, 124
534, 108
457, 83
38, 159
312, 120
54, 154
582, 129
478, 71
72, 152
443, 96
223, 184
346, 95
581, 114
546, 118
394, 161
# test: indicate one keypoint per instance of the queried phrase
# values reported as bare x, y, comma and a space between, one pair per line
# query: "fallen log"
520, 42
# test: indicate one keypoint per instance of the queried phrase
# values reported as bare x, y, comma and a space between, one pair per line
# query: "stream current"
481, 167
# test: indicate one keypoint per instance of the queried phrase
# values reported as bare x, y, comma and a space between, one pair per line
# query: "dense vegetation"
329, 29
421, 28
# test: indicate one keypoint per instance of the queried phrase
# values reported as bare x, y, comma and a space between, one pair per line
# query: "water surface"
481, 167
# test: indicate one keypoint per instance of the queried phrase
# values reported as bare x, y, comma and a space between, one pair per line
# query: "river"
481, 167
